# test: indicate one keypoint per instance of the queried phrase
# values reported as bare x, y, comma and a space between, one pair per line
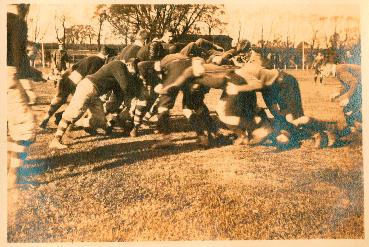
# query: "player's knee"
187, 113
230, 120
220, 108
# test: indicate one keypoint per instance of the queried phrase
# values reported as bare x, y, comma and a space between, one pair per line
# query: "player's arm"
115, 100
203, 43
235, 62
253, 84
121, 74
179, 82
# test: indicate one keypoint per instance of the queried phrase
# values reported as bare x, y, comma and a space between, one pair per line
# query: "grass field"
119, 189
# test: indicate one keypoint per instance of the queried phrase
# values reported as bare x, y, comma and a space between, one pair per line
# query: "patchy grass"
119, 189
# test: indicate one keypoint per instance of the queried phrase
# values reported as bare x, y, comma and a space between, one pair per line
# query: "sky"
296, 21
248, 19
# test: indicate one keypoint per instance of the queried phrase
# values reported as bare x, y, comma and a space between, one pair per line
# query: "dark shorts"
242, 105
147, 72
192, 98
286, 93
174, 69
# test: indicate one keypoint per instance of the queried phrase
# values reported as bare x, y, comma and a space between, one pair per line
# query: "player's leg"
21, 126
62, 92
26, 84
84, 92
166, 103
55, 104
141, 108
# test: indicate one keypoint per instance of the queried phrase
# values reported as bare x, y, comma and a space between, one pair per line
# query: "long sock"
163, 123
62, 128
196, 123
153, 110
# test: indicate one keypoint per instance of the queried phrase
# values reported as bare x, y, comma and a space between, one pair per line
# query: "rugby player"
113, 76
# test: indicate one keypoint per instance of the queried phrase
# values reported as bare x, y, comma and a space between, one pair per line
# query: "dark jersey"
226, 56
128, 52
152, 52
201, 48
88, 65
114, 76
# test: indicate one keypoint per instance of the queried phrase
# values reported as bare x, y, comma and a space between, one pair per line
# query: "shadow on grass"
122, 153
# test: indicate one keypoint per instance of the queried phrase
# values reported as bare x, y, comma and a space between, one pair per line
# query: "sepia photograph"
189, 121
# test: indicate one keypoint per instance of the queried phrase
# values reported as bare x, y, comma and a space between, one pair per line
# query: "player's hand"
344, 102
159, 89
157, 66
197, 66
232, 89
217, 60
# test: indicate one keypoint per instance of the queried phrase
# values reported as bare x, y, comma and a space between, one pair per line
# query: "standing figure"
59, 60
318, 66
20, 119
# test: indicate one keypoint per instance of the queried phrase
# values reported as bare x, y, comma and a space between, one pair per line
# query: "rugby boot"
134, 132
56, 144
242, 140
90, 131
44, 123
108, 131
203, 141
58, 117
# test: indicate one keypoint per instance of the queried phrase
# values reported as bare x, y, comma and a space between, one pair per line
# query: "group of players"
146, 77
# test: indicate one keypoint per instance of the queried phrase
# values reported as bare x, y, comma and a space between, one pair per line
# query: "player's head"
167, 37
104, 51
142, 34
243, 46
61, 46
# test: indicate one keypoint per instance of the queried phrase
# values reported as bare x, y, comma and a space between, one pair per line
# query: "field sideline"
119, 189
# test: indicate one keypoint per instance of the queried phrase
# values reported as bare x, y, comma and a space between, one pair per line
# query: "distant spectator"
32, 54
318, 65
48, 57
60, 59
349, 57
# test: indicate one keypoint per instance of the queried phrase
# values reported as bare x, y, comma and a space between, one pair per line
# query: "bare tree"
101, 15
180, 19
212, 19
314, 24
34, 28
60, 28
89, 33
